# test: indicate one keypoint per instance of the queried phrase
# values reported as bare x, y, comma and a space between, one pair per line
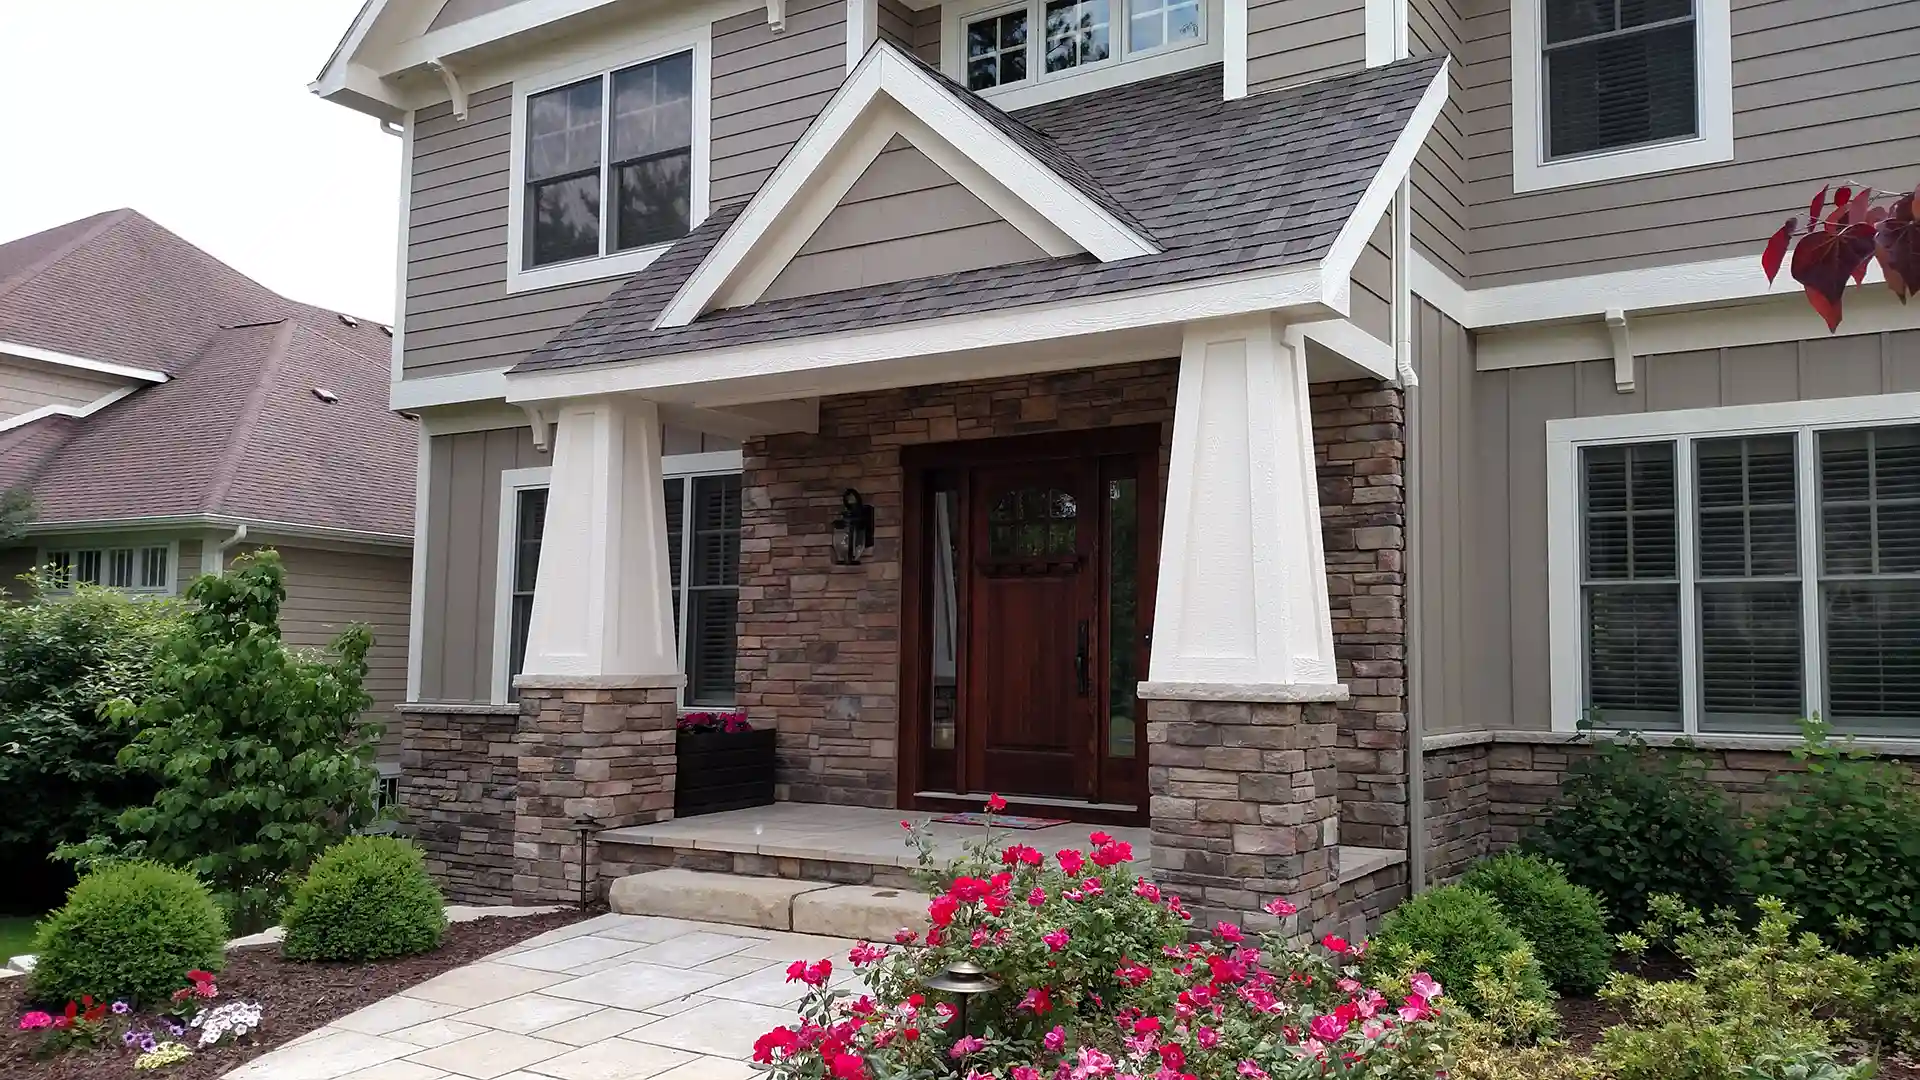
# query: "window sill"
1711, 149
624, 264
1450, 740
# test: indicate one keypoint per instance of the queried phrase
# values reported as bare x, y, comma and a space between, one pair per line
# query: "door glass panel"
1123, 616
945, 637
1033, 523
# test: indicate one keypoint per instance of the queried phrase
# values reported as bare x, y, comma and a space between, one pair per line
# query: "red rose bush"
1098, 981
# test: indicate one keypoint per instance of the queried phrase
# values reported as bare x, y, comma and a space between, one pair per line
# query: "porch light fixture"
963, 979
852, 530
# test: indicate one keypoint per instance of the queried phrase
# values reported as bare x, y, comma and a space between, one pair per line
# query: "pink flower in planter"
1056, 939
1279, 908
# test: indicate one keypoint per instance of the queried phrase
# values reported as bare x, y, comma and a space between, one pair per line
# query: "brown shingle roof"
237, 431
1225, 187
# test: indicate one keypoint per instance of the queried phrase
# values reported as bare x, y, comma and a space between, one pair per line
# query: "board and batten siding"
1822, 92
1439, 204
460, 317
1297, 41
904, 218
768, 87
1482, 445
328, 591
26, 385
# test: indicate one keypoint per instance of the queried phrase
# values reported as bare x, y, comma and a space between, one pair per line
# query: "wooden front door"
1028, 602
1033, 591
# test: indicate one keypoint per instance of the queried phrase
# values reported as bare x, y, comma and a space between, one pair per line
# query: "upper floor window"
610, 164
1734, 583
1606, 89
621, 141
1038, 39
134, 569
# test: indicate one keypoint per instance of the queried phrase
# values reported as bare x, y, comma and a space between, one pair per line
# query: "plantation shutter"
1870, 577
530, 519
1747, 530
713, 588
1631, 586
1618, 73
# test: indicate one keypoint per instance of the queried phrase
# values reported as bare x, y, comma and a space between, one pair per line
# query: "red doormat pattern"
1005, 821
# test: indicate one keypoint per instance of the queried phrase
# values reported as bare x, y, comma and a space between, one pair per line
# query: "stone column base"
603, 752
459, 777
1244, 808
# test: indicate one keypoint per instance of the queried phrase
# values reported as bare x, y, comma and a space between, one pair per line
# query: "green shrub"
1565, 924
130, 931
1842, 847
264, 756
1761, 1003
1632, 821
1892, 1016
1459, 935
367, 898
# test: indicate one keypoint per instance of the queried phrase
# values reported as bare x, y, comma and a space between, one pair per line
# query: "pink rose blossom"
1055, 1040
1207, 1038
1037, 897
1147, 890
1228, 933
966, 1044
1424, 985
1327, 1028
1251, 1071
1279, 908
1056, 939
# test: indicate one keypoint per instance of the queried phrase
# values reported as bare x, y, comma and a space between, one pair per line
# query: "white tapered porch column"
1242, 599
602, 609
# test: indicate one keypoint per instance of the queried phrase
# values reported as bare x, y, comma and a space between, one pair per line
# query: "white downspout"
219, 560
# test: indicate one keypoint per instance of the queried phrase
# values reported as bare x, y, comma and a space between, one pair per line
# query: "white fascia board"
255, 527
1296, 293
1341, 336
78, 412
104, 367
1353, 237
489, 384
848, 118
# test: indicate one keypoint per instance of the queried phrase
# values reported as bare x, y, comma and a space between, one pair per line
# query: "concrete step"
803, 907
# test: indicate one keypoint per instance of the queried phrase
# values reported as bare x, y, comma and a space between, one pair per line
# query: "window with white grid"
143, 569
1731, 584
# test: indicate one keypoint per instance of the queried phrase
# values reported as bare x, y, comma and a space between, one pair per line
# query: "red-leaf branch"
1837, 248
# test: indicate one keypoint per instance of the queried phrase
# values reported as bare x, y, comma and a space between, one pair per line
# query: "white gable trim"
849, 129
78, 412
104, 367
1353, 237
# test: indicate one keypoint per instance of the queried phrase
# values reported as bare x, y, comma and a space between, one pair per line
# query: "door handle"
1082, 672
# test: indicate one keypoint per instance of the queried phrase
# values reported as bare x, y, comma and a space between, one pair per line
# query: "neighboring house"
1112, 312
166, 413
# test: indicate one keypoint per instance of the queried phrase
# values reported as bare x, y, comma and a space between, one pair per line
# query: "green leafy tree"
17, 510
262, 756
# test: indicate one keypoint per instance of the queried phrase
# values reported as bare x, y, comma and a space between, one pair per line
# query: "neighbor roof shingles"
1261, 183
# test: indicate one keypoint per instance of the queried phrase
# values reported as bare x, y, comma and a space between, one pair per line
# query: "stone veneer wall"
1483, 794
819, 644
1359, 431
459, 777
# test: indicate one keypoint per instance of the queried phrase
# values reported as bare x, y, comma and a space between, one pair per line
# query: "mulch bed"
294, 998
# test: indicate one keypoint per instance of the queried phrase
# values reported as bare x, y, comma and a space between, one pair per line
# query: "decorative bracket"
542, 431
454, 90
1622, 351
777, 16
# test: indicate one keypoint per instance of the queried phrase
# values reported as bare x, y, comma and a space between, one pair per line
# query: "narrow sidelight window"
1619, 73
530, 520
1749, 584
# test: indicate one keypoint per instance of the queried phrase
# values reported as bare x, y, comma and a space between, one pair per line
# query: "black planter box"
718, 771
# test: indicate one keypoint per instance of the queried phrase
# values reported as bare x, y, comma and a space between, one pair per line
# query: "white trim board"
1566, 615
1714, 79
78, 412
104, 367
426, 391
1378, 196
417, 593
828, 158
512, 483
256, 526
1216, 45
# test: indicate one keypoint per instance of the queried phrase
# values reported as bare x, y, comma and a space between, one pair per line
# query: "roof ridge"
248, 419
108, 220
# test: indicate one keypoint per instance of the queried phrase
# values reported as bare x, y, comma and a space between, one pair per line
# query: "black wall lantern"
852, 530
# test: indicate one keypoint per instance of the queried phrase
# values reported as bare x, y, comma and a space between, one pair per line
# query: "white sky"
196, 114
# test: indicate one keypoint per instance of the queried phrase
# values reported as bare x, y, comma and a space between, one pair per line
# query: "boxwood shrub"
1458, 934
1565, 924
129, 931
367, 898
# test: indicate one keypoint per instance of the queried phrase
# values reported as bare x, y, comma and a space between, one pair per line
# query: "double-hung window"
610, 168
1035, 40
146, 569
1605, 89
1732, 583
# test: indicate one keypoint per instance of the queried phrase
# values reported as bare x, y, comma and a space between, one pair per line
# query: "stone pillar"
603, 752
459, 780
1244, 807
1241, 723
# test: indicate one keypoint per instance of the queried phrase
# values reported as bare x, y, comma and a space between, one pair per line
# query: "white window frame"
687, 468
1566, 619
515, 481
520, 277
1121, 67
1713, 57
44, 556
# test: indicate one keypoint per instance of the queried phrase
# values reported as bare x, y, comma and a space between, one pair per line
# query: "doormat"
1005, 821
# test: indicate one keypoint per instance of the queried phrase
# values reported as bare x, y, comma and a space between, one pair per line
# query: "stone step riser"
803, 907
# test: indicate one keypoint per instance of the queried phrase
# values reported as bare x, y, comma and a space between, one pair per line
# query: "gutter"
219, 521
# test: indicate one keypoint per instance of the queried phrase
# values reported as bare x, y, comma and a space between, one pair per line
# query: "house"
1282, 422
165, 413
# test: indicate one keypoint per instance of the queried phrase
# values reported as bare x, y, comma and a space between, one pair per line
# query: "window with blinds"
1631, 588
1707, 603
1618, 73
530, 520
1870, 577
703, 545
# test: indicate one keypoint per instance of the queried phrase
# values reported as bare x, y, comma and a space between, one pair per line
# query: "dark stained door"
1033, 670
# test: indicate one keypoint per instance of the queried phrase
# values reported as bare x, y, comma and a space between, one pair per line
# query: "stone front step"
771, 903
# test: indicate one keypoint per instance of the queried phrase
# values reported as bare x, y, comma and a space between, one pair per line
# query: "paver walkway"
618, 997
